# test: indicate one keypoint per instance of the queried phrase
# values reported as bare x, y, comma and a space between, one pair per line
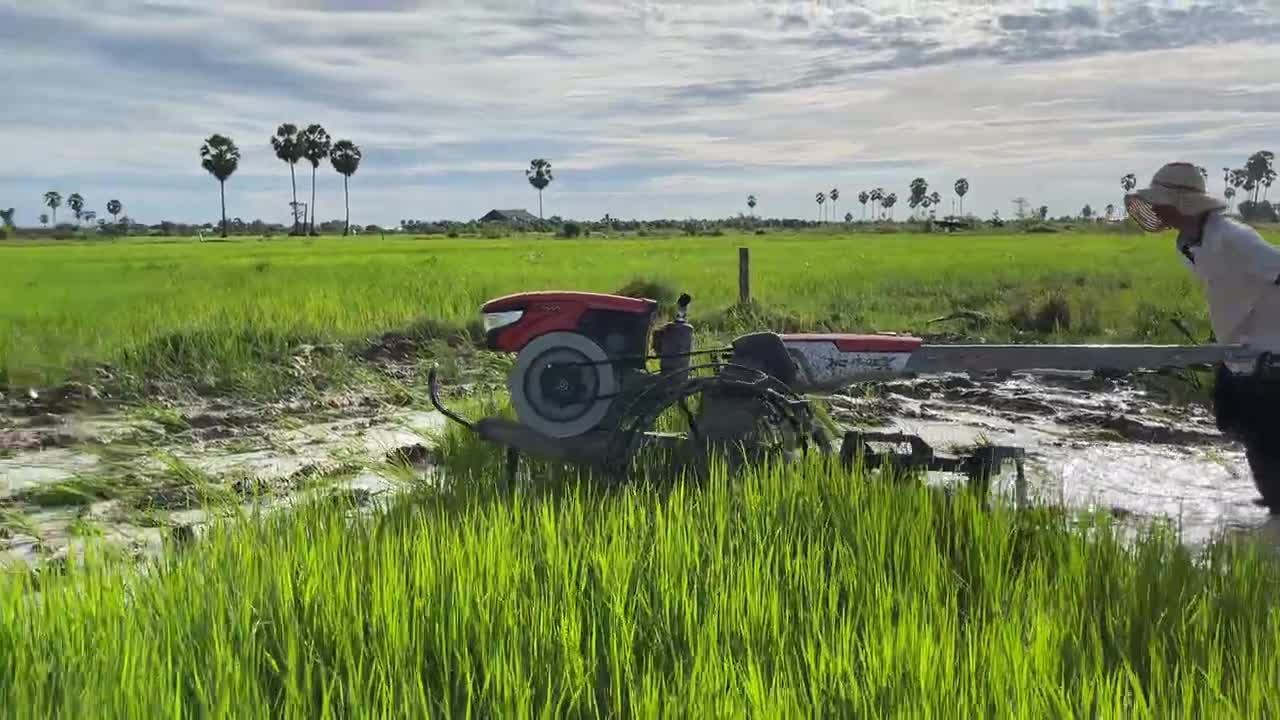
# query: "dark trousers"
1247, 410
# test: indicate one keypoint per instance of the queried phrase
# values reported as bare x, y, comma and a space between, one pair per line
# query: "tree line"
53, 200
220, 157
919, 197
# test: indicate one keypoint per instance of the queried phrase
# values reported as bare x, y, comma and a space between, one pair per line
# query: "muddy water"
132, 478
1090, 443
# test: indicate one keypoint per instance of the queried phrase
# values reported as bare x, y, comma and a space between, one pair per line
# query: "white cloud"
644, 107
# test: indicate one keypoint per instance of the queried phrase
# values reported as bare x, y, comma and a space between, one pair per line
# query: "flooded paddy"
133, 476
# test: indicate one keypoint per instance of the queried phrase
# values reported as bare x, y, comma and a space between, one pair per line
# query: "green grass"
792, 593
217, 313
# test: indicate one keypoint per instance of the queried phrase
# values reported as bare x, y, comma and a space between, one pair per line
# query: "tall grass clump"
794, 592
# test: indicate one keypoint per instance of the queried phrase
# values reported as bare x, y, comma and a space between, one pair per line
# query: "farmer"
1240, 274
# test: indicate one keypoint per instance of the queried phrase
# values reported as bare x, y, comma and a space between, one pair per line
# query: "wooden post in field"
744, 276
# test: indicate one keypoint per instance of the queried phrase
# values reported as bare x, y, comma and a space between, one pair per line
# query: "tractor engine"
580, 355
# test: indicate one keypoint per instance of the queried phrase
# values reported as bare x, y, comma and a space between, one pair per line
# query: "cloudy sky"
646, 109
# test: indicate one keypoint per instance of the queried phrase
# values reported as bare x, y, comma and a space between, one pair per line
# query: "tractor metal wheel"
742, 414
562, 384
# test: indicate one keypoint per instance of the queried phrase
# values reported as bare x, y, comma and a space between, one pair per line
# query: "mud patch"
137, 476
1096, 442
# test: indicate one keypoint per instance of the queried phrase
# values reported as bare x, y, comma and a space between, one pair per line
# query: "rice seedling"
787, 591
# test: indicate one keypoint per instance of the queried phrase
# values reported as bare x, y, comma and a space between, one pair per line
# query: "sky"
645, 109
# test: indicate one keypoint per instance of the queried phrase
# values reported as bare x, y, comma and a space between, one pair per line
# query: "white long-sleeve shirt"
1240, 273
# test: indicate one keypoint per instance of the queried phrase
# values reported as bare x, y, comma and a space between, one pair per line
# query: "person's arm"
1182, 256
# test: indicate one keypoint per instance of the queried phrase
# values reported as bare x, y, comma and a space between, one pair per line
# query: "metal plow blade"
979, 464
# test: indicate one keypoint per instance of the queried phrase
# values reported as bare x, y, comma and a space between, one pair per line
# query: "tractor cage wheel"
671, 389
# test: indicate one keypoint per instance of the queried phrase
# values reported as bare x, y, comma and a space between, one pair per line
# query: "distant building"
510, 216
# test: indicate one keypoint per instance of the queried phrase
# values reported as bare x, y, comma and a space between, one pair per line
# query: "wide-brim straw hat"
1177, 185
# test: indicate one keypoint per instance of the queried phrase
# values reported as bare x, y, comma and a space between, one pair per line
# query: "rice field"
220, 308
788, 592
785, 593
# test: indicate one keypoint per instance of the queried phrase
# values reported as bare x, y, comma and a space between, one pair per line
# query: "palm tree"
76, 203
962, 189
315, 147
1128, 182
863, 197
848, 217
220, 157
1260, 172
6, 217
52, 200
835, 195
539, 176
919, 194
114, 207
345, 157
751, 203
1111, 211
821, 198
44, 218
934, 199
288, 147
877, 196
888, 202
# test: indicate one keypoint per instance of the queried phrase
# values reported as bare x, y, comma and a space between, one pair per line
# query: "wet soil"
74, 468
1094, 442
135, 475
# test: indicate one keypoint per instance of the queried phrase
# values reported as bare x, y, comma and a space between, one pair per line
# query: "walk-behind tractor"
585, 392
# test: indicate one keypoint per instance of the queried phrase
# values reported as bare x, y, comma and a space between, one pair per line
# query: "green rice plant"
208, 314
792, 591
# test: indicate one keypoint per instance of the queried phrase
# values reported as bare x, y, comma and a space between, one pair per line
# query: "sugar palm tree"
962, 189
76, 203
888, 202
345, 157
751, 203
114, 207
820, 198
53, 200
288, 147
539, 176
863, 197
877, 198
315, 148
919, 194
220, 157
835, 195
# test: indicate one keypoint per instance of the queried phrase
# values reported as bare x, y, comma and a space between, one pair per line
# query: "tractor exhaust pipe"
433, 387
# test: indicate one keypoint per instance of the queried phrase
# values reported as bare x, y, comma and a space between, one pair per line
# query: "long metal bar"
962, 358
